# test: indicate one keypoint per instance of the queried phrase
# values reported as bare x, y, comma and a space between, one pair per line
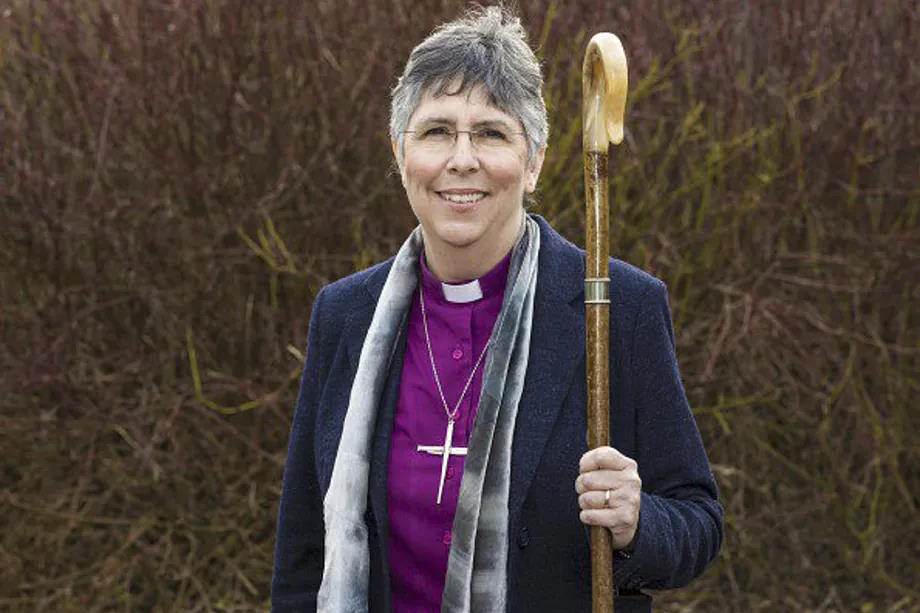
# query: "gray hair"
488, 47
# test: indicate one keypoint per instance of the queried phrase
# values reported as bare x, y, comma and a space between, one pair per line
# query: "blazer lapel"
556, 350
360, 321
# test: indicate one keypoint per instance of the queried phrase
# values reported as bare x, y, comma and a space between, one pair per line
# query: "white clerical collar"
462, 292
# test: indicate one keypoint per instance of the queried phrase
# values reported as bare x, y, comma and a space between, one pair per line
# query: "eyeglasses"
442, 139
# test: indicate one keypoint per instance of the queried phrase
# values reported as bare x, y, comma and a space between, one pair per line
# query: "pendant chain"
451, 415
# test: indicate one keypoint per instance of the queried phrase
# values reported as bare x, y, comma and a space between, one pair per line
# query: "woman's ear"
533, 171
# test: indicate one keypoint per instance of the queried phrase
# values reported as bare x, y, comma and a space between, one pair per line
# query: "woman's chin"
457, 234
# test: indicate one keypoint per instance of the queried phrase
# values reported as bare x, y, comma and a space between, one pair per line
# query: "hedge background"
178, 179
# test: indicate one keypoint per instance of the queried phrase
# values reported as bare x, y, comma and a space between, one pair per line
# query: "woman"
437, 457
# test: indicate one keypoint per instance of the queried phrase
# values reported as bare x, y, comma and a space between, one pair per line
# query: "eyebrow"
485, 123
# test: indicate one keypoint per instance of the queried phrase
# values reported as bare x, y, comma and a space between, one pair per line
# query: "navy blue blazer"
680, 518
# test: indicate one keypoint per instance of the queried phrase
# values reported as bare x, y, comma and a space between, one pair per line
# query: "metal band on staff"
604, 83
597, 291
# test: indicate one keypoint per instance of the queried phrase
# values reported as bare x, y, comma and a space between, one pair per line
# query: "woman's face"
468, 194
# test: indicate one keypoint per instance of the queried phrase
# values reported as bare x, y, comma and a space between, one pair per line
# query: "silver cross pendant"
445, 451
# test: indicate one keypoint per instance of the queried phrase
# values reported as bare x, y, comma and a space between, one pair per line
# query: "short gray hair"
488, 47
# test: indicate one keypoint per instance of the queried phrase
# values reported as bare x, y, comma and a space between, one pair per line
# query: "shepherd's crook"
604, 90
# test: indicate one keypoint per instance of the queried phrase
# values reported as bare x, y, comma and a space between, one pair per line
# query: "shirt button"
457, 354
446, 538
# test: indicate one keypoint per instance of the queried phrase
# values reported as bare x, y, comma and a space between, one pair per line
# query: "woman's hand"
609, 491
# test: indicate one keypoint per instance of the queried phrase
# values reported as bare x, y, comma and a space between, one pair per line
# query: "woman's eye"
490, 134
438, 131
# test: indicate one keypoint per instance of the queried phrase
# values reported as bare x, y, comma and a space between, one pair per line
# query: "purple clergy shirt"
420, 529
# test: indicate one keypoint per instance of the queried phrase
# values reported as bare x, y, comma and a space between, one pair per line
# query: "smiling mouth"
465, 198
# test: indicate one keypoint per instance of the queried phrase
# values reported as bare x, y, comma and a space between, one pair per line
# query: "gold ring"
607, 498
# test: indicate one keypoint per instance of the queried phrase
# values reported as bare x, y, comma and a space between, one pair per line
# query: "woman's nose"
462, 156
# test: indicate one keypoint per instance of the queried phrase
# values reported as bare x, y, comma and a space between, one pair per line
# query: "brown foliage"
179, 178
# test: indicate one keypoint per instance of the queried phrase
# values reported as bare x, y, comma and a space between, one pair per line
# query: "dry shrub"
179, 178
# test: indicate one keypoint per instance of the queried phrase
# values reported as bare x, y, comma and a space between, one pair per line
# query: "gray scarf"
479, 550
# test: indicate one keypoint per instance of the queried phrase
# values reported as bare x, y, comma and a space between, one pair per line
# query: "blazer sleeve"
298, 566
680, 519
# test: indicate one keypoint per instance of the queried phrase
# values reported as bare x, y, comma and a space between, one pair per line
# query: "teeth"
463, 198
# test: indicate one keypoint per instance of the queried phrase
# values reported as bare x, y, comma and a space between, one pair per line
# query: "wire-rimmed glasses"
442, 139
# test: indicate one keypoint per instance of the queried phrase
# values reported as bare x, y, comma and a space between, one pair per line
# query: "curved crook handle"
604, 85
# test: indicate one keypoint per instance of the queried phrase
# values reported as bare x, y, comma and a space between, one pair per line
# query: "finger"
607, 480
596, 500
604, 458
600, 500
617, 520
621, 529
601, 480
584, 483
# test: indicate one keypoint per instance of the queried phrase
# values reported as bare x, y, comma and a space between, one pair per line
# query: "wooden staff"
604, 92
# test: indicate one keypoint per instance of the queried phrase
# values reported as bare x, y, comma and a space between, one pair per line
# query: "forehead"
472, 105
